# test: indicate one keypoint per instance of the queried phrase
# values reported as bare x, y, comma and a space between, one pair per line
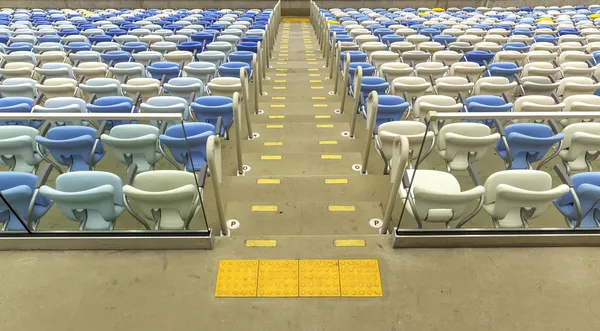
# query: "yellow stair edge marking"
279, 80
261, 243
334, 208
319, 98
274, 126
281, 75
277, 98
316, 87
314, 75
282, 69
349, 243
270, 157
279, 87
273, 143
336, 181
331, 157
328, 142
237, 278
272, 181
312, 59
316, 81
282, 63
313, 69
277, 105
310, 63
276, 117
322, 116
264, 208
324, 126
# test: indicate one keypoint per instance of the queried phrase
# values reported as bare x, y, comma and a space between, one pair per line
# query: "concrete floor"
442, 289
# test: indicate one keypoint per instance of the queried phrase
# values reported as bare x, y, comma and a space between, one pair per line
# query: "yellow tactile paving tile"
237, 278
360, 278
277, 278
319, 278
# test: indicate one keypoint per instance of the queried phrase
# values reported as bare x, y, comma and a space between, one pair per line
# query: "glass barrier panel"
104, 172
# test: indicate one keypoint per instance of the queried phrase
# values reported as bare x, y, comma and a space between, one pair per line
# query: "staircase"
303, 177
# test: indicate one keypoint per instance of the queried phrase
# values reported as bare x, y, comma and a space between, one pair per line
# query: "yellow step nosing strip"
280, 81
336, 181
281, 75
310, 63
349, 243
315, 81
261, 243
325, 126
264, 208
282, 69
322, 116
316, 87
268, 181
274, 126
277, 98
328, 142
334, 208
276, 117
279, 87
277, 105
319, 98
273, 143
270, 157
331, 157
314, 75
313, 69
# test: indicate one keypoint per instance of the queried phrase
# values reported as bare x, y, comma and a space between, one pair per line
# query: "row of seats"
189, 62
397, 65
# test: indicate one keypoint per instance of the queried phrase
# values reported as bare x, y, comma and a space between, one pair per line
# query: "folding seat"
128, 70
101, 87
63, 105
209, 108
214, 57
151, 39
204, 71
393, 70
580, 146
486, 103
59, 87
20, 56
76, 147
380, 57
472, 70
430, 70
571, 46
540, 69
114, 57
489, 47
172, 193
107, 46
188, 146
462, 144
18, 148
573, 56
83, 56
134, 47
43, 47
184, 87
93, 198
494, 86
402, 46
536, 103
112, 105
580, 103
220, 46
19, 87
440, 103
415, 57
470, 39
163, 46
126, 38
21, 192
579, 205
430, 47
452, 85
168, 70
166, 104
177, 38
147, 87
576, 85
507, 70
414, 131
513, 197
409, 88
179, 57
447, 57
525, 143
55, 70
576, 69
544, 47
135, 144
479, 57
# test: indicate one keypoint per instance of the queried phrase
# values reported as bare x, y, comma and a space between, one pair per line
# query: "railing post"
237, 113
213, 157
372, 104
357, 96
400, 158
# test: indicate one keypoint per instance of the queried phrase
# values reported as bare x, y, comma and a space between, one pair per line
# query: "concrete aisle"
302, 177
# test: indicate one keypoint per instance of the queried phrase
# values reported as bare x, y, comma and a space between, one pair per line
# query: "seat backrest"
134, 143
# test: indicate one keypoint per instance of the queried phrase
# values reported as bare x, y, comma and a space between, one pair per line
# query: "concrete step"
303, 218
280, 164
